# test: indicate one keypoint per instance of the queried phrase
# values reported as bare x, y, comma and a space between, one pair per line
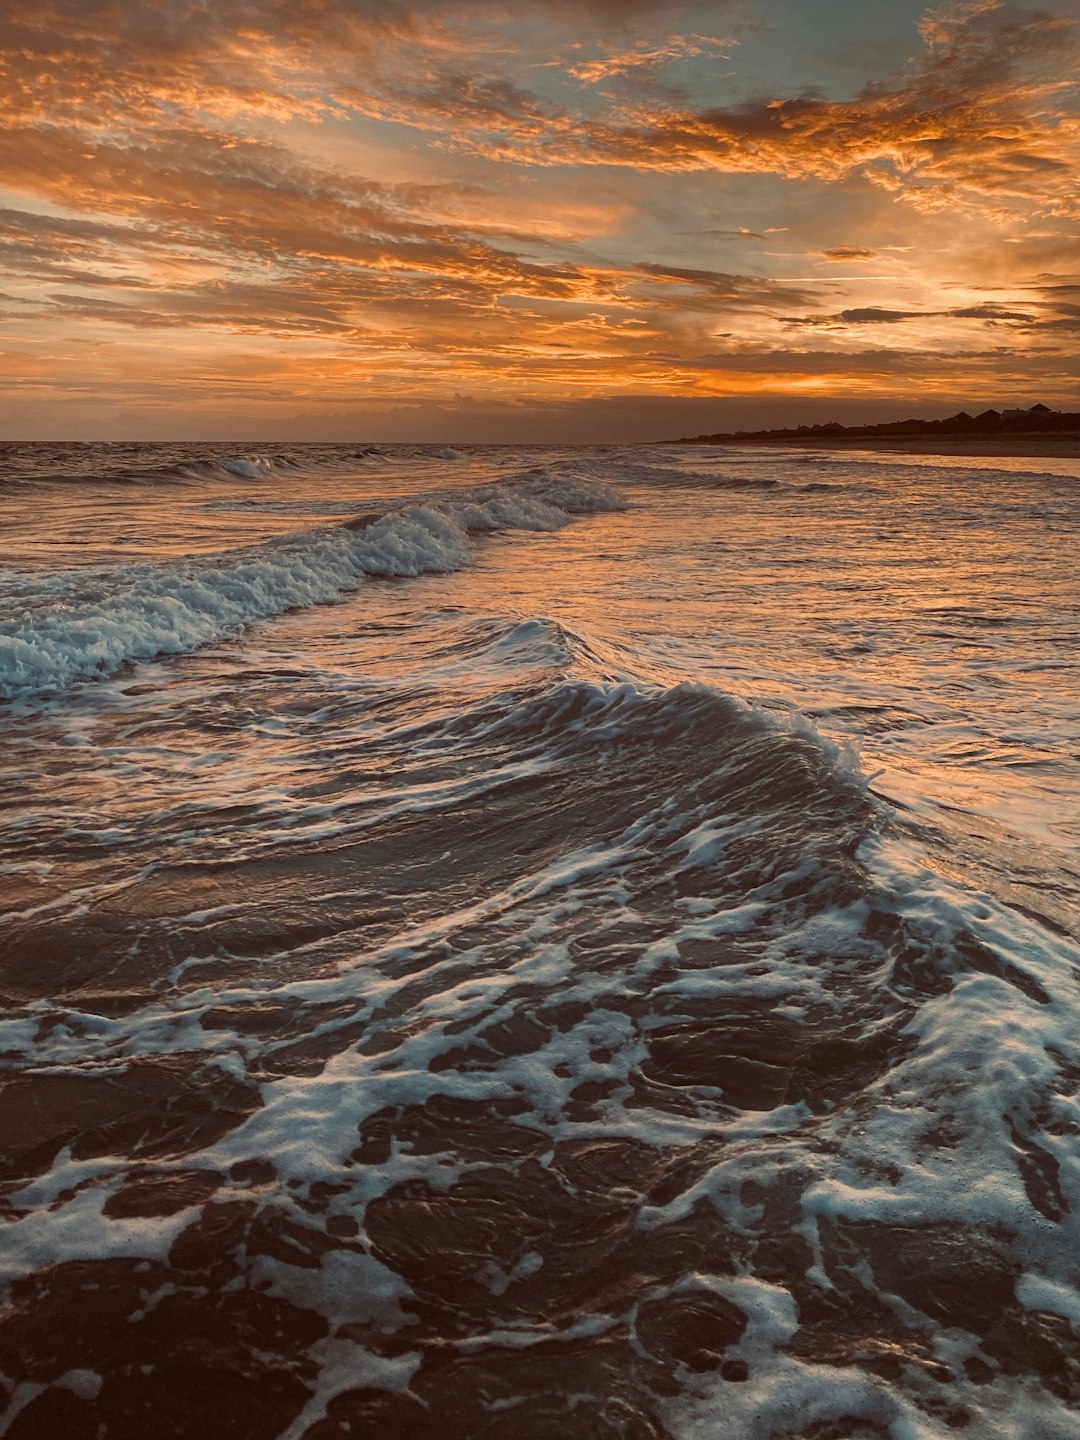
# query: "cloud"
991, 312
815, 363
876, 315
273, 58
742, 232
729, 288
199, 167
650, 58
989, 111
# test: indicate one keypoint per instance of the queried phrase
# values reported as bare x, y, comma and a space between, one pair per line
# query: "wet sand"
1058, 447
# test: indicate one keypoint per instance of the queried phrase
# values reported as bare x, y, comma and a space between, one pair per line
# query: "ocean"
538, 942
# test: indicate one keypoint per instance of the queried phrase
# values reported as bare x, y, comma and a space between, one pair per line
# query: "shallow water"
509, 942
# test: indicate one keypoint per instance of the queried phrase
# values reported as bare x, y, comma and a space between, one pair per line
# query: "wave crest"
84, 624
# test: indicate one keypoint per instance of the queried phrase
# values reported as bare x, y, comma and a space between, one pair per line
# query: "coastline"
1060, 447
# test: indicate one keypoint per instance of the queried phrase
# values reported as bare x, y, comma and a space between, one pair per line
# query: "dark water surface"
503, 943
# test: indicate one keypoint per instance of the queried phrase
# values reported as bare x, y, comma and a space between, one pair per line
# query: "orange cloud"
651, 58
991, 109
167, 168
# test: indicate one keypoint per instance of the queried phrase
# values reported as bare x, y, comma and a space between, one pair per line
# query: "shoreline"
1059, 447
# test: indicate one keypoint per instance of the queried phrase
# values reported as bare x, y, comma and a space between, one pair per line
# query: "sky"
562, 220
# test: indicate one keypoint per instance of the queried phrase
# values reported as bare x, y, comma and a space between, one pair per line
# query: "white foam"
86, 1384
78, 1227
247, 468
82, 624
1037, 1292
343, 1366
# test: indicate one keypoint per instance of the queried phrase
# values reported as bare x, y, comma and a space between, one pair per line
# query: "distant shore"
1060, 446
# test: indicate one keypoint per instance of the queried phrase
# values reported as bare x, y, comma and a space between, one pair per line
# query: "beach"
1057, 447
539, 941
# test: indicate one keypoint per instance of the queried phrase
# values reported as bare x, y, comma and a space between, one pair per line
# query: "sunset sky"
553, 219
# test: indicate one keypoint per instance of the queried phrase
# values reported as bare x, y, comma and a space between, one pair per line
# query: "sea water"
538, 942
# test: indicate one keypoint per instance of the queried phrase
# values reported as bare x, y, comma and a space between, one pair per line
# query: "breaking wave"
77, 625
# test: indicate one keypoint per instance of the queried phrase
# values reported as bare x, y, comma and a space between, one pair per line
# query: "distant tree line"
1039, 419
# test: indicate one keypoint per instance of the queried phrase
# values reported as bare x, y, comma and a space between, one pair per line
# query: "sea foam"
82, 624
